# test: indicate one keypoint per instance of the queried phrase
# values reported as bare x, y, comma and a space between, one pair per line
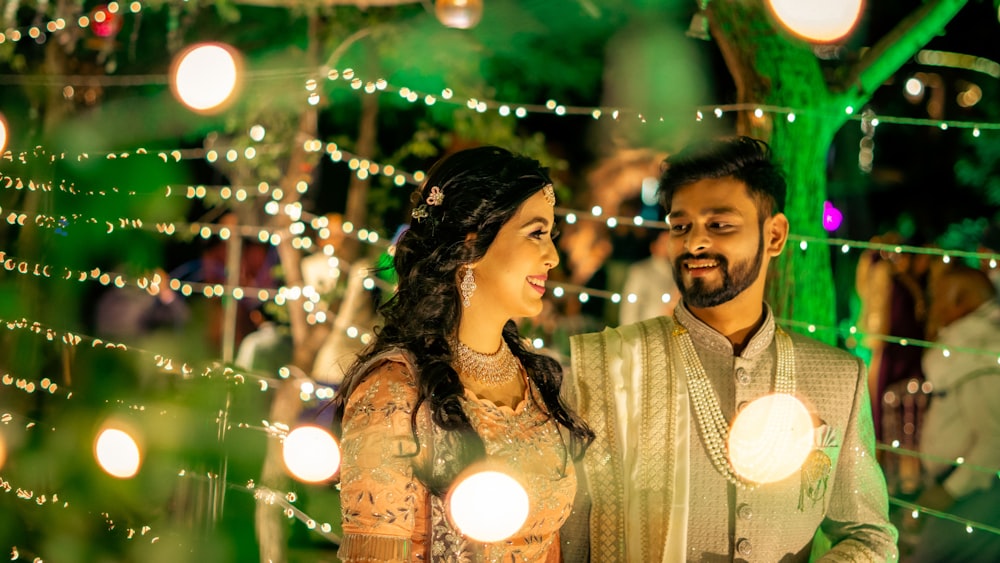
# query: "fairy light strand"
957, 462
60, 24
970, 525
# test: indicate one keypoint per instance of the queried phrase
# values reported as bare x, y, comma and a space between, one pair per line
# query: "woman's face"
510, 278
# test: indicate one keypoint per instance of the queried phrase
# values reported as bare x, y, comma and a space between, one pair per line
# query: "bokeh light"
460, 14
3, 133
118, 453
914, 87
817, 20
507, 501
3, 451
832, 217
104, 22
205, 76
311, 454
771, 438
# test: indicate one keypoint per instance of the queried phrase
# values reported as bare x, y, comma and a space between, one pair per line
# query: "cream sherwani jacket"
629, 383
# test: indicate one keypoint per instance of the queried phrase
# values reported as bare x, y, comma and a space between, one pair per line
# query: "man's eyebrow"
708, 211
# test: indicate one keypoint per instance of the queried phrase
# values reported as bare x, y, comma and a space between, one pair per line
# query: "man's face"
717, 243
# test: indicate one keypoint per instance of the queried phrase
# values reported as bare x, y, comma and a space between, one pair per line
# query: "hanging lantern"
460, 14
821, 21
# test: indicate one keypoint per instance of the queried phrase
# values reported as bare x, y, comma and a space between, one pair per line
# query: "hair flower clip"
419, 212
435, 196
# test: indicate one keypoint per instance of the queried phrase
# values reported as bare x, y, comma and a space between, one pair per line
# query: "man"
660, 394
963, 421
652, 283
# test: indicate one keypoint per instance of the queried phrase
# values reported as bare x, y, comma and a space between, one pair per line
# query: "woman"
449, 382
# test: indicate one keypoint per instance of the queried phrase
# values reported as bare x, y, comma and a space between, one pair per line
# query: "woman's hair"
482, 189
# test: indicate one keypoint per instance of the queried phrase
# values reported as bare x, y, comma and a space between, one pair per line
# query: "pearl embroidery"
712, 425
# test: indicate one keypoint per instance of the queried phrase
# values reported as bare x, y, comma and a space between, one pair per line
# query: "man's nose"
697, 240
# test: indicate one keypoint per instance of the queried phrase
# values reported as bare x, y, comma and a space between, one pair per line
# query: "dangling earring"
468, 287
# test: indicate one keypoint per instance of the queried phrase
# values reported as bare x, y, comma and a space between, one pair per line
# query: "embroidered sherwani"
653, 492
388, 513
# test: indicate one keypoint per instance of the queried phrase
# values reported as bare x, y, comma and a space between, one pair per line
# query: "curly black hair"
483, 188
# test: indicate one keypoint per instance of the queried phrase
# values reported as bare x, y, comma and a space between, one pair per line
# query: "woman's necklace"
711, 422
490, 370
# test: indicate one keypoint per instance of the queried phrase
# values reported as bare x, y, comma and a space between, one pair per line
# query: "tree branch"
893, 50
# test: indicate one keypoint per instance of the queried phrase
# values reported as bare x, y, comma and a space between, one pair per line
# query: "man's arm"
857, 521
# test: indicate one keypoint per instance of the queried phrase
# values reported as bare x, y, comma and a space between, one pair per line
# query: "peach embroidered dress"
389, 515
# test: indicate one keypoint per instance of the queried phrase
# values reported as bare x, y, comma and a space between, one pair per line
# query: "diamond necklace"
711, 423
491, 370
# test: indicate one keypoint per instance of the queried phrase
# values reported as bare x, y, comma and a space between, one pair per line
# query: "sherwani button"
744, 512
742, 376
743, 547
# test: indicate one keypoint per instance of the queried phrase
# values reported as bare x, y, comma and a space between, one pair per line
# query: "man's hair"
743, 158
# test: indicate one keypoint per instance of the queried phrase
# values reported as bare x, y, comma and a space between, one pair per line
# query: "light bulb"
817, 20
205, 76
459, 14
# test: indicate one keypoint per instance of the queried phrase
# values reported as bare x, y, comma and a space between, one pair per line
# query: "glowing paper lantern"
817, 20
832, 217
311, 454
488, 506
3, 451
3, 133
117, 453
460, 14
205, 76
771, 438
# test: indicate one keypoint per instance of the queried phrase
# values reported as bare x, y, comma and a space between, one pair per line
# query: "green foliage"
979, 167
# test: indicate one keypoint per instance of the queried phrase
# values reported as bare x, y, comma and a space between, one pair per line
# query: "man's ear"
776, 231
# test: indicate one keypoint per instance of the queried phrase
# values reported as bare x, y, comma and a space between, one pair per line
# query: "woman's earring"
468, 287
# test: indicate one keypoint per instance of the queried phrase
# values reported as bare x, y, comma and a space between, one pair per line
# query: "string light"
59, 24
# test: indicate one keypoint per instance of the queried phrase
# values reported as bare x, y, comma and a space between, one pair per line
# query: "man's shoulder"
810, 350
626, 332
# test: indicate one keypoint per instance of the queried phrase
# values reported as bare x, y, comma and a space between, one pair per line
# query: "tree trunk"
770, 68
803, 289
286, 404
357, 191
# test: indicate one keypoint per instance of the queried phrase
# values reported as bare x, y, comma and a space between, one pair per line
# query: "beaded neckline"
712, 424
490, 370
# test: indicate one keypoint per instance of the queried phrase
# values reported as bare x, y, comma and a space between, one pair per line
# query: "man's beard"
701, 296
